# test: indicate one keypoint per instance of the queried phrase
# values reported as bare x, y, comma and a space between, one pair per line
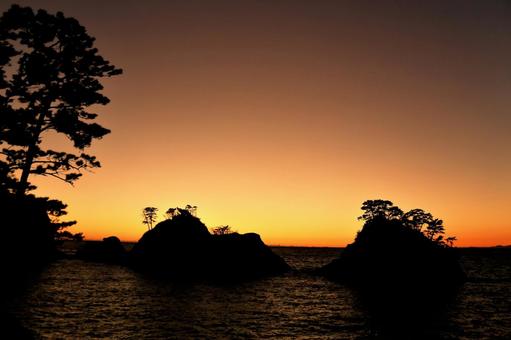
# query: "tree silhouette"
415, 219
450, 240
171, 213
49, 76
149, 214
187, 210
222, 230
380, 208
192, 209
55, 210
434, 229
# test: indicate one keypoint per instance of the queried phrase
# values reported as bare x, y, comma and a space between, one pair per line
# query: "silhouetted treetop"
56, 210
222, 230
380, 208
50, 74
415, 219
149, 215
187, 210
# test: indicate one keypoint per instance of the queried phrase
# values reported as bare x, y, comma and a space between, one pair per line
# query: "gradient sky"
282, 117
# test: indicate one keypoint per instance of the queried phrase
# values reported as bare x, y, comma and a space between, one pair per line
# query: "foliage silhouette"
32, 228
149, 214
49, 76
222, 230
55, 210
379, 208
415, 219
192, 209
187, 210
171, 213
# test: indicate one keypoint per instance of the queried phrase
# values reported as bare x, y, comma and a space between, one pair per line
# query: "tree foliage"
222, 230
50, 75
192, 209
415, 219
187, 210
171, 213
379, 208
149, 214
32, 226
56, 210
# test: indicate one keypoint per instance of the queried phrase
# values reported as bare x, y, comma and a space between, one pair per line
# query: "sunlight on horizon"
286, 129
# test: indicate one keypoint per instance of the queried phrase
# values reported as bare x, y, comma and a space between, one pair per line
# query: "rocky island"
401, 267
182, 247
399, 250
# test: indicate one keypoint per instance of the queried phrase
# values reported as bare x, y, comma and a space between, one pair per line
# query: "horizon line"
319, 246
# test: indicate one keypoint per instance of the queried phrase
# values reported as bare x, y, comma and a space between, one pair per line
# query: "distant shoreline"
322, 247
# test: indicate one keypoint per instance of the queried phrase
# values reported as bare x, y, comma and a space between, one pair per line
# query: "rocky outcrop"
401, 278
244, 255
182, 247
386, 254
27, 231
110, 250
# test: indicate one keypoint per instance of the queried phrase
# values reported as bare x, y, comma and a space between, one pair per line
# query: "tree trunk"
22, 186
29, 159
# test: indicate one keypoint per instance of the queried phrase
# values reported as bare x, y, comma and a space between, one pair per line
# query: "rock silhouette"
400, 277
387, 253
110, 250
182, 247
244, 255
28, 232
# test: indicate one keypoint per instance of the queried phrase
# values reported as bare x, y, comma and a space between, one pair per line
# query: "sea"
73, 299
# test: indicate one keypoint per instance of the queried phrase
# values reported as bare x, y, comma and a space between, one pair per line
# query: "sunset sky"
282, 117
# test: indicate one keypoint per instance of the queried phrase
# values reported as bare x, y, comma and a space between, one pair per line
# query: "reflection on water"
75, 299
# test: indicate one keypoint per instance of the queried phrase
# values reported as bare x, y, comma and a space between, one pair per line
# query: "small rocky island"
182, 247
398, 252
401, 268
110, 250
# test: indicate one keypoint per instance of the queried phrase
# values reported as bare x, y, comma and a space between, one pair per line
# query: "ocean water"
72, 299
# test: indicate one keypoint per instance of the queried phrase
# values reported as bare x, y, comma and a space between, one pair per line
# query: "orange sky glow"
282, 117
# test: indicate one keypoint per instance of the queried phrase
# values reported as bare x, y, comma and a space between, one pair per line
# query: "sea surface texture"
73, 299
